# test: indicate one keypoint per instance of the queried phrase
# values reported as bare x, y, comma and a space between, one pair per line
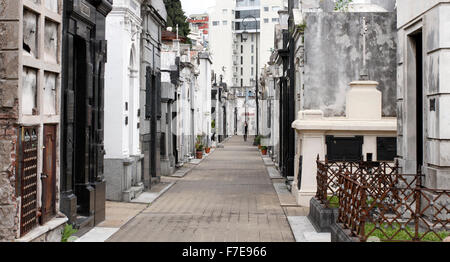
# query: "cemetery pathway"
229, 197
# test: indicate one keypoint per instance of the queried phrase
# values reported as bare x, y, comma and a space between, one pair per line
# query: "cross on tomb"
364, 72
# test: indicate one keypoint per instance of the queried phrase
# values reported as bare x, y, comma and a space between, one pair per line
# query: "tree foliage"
175, 15
342, 5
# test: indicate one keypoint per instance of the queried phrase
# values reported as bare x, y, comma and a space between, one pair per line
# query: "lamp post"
244, 38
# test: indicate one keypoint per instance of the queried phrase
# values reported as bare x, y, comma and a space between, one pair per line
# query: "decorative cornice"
103, 6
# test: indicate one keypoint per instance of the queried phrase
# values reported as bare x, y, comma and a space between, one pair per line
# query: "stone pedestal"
321, 217
68, 206
124, 178
100, 200
339, 234
85, 199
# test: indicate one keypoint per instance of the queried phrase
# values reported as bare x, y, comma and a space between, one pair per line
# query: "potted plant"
207, 150
199, 150
257, 141
264, 150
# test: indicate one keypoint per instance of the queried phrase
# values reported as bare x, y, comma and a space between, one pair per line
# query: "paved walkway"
229, 197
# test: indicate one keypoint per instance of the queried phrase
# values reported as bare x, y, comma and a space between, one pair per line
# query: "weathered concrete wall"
329, 5
433, 24
9, 113
333, 58
410, 9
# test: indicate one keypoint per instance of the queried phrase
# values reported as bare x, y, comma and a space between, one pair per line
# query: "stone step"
304, 231
133, 193
285, 197
273, 173
83, 224
268, 161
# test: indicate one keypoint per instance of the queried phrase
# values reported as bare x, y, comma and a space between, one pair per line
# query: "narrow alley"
228, 197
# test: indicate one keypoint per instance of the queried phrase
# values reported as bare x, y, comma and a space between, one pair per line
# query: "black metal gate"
28, 144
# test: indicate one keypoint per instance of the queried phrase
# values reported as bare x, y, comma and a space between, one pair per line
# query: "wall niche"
51, 42
30, 33
49, 94
29, 91
52, 5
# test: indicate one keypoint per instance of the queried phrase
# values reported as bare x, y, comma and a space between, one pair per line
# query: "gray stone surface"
9, 9
8, 93
150, 197
10, 34
6, 190
304, 231
9, 63
287, 199
268, 161
339, 234
333, 48
183, 171
322, 218
97, 234
7, 215
5, 153
273, 173
121, 176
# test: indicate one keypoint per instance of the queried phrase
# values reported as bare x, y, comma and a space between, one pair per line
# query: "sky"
197, 6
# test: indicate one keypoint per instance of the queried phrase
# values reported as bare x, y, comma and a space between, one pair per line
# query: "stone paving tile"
118, 213
228, 197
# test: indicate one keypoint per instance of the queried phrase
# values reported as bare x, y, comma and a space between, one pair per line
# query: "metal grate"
29, 151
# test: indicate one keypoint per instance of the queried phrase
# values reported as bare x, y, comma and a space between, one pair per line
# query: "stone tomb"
356, 136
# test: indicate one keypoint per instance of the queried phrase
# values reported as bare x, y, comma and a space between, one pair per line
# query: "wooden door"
49, 174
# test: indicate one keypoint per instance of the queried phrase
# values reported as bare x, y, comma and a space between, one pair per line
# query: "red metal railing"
392, 207
328, 179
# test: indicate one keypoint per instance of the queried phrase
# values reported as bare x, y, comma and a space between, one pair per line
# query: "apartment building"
241, 40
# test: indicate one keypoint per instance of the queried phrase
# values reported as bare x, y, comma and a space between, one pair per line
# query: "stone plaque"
344, 148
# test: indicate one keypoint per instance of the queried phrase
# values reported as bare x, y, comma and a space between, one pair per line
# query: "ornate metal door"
28, 144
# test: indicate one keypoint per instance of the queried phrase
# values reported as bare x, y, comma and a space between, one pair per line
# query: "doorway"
83, 122
417, 98
49, 174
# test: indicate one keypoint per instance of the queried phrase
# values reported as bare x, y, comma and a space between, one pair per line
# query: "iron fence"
392, 207
328, 176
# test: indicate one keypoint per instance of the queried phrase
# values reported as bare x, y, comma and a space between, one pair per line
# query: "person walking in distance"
245, 131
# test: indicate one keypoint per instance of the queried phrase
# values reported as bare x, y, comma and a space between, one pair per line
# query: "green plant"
333, 201
264, 148
301, 27
395, 232
342, 5
199, 147
213, 124
258, 140
68, 232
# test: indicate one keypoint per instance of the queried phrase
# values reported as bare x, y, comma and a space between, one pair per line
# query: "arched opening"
133, 104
